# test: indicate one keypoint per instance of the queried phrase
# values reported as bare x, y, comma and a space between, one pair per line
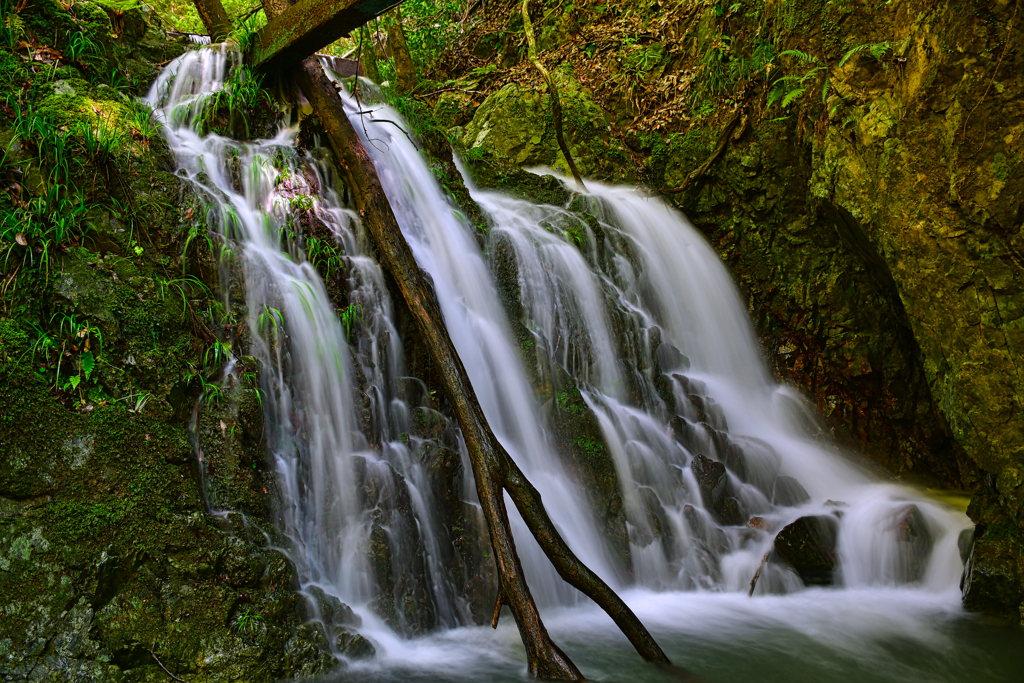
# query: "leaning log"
493, 468
306, 27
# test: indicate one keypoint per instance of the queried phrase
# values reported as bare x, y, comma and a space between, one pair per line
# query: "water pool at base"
855, 636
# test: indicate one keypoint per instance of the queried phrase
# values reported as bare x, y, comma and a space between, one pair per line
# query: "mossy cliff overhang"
309, 26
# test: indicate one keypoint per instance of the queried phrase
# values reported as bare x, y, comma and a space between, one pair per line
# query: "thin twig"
757, 574
165, 668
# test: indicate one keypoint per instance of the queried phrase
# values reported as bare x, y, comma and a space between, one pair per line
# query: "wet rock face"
715, 489
993, 579
515, 123
788, 492
809, 546
914, 542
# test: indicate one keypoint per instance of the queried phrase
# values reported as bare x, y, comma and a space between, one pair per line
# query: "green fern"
803, 56
877, 50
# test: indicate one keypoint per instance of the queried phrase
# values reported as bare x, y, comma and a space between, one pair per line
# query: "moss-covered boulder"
516, 123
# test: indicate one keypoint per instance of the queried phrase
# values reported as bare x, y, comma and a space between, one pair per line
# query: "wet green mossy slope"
868, 200
111, 335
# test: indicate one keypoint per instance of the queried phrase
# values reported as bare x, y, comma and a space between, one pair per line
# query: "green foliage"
349, 316
11, 25
225, 109
324, 255
142, 122
301, 202
431, 26
786, 90
245, 31
571, 401
591, 448
69, 352
877, 50
73, 156
182, 16
248, 622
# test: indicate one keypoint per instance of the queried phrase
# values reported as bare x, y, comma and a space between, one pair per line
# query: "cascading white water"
633, 305
258, 193
446, 249
653, 279
663, 284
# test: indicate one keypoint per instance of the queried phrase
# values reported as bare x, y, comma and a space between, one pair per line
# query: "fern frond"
800, 55
876, 50
791, 96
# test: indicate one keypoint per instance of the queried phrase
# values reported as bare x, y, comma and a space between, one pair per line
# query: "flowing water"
259, 193
617, 297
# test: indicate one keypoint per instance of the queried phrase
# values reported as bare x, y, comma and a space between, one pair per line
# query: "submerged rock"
716, 490
809, 546
914, 540
788, 492
353, 645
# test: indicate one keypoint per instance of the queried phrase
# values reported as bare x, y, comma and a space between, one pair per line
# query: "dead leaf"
20, 239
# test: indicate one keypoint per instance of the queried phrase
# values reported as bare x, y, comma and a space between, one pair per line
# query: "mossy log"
214, 18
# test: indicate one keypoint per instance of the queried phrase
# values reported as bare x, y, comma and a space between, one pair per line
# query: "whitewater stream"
620, 299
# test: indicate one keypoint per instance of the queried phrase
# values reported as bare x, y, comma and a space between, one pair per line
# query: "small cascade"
623, 301
713, 459
358, 512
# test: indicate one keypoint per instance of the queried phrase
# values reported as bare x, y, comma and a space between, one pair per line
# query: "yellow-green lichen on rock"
516, 123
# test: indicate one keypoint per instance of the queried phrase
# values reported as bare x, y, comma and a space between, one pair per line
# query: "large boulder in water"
993, 579
915, 542
809, 546
715, 489
788, 492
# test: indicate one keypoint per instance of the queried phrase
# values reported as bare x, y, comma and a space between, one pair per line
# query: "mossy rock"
515, 123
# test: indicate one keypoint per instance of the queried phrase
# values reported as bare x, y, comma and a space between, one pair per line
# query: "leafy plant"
350, 315
241, 93
323, 255
71, 351
80, 45
249, 622
788, 89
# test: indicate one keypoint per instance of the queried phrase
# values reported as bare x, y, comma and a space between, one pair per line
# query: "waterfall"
622, 294
269, 204
615, 299
680, 316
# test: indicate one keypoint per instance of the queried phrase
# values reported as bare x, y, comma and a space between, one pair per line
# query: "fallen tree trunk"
214, 18
493, 468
